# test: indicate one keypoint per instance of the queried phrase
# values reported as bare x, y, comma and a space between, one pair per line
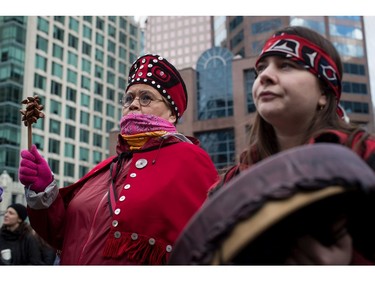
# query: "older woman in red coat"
130, 208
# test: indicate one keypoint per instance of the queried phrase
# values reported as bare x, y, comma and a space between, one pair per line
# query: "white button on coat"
141, 163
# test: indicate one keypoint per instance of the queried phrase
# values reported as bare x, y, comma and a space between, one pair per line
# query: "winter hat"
20, 209
158, 73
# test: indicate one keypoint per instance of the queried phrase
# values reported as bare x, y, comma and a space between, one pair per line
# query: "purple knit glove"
1, 193
34, 171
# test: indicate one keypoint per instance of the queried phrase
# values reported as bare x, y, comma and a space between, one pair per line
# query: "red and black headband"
313, 58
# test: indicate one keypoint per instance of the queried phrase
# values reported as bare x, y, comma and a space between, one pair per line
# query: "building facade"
78, 67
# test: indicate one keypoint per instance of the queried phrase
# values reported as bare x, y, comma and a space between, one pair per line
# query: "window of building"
86, 65
39, 82
57, 69
123, 38
111, 62
220, 146
87, 19
122, 53
266, 26
111, 47
111, 78
123, 23
85, 118
97, 157
347, 31
98, 71
58, 51
56, 88
121, 83
109, 125
74, 24
215, 100
83, 154
38, 141
40, 63
237, 39
121, 67
112, 31
351, 50
72, 76
72, 59
55, 165
53, 147
98, 105
70, 113
354, 88
98, 88
42, 44
86, 48
99, 55
110, 110
55, 107
43, 25
133, 30
110, 94
71, 94
85, 100
87, 33
84, 136
60, 19
68, 170
58, 33
85, 82
99, 39
83, 171
355, 107
97, 140
98, 122
236, 21
249, 78
73, 41
70, 131
54, 126
353, 68
69, 150
100, 24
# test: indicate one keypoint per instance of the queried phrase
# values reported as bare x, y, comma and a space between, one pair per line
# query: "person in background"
131, 207
18, 245
296, 93
48, 254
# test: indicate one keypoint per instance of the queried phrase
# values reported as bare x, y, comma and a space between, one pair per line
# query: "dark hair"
262, 135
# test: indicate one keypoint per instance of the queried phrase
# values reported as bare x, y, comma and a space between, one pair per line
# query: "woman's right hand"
34, 171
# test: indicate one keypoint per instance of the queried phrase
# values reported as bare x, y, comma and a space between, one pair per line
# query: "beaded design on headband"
309, 55
158, 73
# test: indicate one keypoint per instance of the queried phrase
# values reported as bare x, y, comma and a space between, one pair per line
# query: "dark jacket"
23, 245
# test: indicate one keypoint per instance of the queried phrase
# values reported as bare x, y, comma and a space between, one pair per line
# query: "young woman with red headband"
297, 93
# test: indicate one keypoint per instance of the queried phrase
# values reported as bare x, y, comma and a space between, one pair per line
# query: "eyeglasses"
144, 98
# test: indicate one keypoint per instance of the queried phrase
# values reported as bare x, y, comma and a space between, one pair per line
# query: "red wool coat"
158, 189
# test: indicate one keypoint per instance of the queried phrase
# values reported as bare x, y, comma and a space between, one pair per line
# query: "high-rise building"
180, 39
78, 67
220, 109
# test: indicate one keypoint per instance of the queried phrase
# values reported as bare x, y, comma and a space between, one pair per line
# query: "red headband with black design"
313, 58
157, 72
